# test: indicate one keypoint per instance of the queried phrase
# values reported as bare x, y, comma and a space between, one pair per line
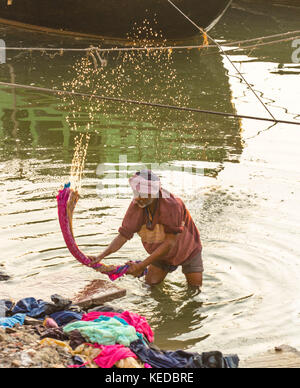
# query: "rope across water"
224, 53
144, 103
283, 37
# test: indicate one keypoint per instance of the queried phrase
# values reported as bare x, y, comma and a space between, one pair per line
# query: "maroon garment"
171, 217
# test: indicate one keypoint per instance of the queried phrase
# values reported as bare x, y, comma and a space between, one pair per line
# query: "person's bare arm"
113, 247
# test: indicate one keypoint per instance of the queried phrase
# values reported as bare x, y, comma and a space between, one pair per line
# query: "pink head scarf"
145, 183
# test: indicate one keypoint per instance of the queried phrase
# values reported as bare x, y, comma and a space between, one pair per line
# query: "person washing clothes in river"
167, 231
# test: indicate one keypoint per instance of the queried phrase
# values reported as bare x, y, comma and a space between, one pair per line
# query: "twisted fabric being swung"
113, 272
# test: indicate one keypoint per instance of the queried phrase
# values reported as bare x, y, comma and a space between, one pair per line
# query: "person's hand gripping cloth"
113, 272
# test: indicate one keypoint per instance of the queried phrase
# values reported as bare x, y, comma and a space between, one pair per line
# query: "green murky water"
239, 178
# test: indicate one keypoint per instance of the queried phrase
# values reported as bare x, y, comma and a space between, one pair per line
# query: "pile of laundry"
103, 337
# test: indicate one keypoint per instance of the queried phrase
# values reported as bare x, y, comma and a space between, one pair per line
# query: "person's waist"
179, 258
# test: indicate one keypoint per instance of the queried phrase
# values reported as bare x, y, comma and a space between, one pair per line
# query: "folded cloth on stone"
12, 321
108, 332
38, 308
138, 322
30, 306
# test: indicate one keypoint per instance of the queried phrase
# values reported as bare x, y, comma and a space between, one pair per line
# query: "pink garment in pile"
138, 322
111, 354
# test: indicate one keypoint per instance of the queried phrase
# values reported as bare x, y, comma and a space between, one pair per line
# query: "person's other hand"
135, 269
94, 260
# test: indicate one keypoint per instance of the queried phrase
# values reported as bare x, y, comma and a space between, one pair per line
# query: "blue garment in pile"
39, 309
181, 359
64, 317
31, 307
12, 321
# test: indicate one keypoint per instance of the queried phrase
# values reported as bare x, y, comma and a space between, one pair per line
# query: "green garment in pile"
108, 332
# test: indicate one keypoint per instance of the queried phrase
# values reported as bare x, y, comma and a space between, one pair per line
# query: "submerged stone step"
98, 292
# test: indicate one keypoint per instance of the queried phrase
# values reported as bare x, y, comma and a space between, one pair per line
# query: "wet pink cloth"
111, 354
62, 200
138, 322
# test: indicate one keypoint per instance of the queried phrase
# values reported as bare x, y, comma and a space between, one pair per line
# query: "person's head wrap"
145, 183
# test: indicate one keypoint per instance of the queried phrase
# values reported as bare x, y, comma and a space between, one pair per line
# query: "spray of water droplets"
149, 75
78, 162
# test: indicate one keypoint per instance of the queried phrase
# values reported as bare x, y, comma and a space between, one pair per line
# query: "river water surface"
239, 178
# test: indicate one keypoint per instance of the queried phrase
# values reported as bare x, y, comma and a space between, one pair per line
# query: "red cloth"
138, 322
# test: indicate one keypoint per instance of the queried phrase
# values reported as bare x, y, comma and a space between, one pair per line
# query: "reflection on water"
244, 204
151, 134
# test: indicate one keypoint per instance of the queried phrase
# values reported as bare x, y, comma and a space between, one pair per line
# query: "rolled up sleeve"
125, 232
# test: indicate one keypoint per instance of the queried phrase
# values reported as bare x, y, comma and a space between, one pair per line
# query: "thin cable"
189, 47
144, 103
220, 48
261, 44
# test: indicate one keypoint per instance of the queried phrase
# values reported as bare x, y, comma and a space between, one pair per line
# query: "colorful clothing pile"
111, 334
104, 338
138, 322
104, 332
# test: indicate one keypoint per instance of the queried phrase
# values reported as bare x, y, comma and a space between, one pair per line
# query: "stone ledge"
98, 292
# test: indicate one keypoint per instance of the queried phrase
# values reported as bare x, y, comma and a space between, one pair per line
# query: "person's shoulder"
170, 201
133, 208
